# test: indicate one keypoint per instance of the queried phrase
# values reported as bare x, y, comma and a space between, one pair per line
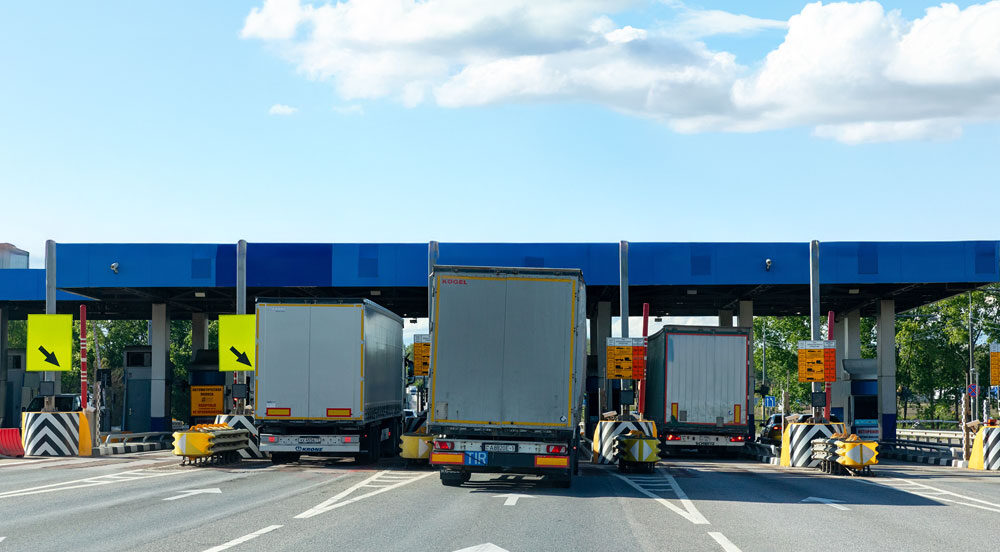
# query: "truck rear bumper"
324, 444
700, 441
477, 461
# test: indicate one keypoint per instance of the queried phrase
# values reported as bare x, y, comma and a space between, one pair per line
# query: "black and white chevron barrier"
604, 438
51, 433
243, 422
796, 443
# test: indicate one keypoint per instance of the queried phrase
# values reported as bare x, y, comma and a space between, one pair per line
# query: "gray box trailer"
329, 378
697, 386
508, 361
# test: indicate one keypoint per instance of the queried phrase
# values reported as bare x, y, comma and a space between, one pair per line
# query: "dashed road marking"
654, 485
244, 538
933, 493
382, 481
725, 543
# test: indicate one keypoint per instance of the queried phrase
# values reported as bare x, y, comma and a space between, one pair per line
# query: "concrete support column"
158, 392
847, 332
199, 332
3, 370
600, 338
725, 318
887, 367
745, 319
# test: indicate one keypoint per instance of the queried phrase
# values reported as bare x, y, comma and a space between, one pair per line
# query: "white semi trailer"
329, 378
508, 362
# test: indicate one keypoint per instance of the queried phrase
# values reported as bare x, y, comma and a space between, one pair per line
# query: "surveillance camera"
114, 267
767, 265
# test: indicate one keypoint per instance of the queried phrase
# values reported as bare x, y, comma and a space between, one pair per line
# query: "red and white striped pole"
83, 356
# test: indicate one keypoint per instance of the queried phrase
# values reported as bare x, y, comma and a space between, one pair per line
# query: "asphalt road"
149, 502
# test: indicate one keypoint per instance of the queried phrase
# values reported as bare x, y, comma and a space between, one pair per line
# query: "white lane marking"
244, 538
133, 475
933, 493
192, 492
17, 463
725, 543
512, 498
828, 501
689, 512
333, 502
2, 539
486, 547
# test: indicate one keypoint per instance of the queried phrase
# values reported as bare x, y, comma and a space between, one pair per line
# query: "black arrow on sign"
241, 357
49, 357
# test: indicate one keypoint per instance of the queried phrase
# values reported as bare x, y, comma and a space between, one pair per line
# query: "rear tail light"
347, 439
737, 439
271, 438
556, 449
778, 427
444, 445
672, 438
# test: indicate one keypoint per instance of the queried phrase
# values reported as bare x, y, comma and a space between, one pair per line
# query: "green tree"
782, 335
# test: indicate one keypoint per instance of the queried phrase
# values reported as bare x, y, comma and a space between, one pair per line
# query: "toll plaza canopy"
122, 281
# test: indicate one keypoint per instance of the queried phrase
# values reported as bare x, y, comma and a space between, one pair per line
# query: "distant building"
12, 257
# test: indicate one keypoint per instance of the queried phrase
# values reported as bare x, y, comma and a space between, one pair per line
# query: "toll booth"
207, 386
136, 415
862, 404
22, 386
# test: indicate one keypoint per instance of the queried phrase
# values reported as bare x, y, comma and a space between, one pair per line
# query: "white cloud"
851, 71
282, 109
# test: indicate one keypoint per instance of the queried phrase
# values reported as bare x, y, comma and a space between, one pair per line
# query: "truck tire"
454, 478
563, 481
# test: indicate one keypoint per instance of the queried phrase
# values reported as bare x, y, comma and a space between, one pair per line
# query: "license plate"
492, 447
308, 440
475, 458
704, 443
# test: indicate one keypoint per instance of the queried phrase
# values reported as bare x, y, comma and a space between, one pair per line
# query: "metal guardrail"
927, 424
147, 437
930, 436
916, 446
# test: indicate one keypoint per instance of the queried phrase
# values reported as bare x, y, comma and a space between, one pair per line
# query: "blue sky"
136, 122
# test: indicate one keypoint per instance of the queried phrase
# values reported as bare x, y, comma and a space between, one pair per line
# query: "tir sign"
237, 342
50, 342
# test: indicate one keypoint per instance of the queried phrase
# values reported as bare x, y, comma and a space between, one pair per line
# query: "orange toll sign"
626, 358
421, 354
817, 361
207, 400
994, 363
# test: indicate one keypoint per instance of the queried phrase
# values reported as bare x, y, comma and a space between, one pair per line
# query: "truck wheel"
575, 462
564, 481
450, 478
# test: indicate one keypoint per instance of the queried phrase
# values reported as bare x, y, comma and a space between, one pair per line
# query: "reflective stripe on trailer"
338, 412
447, 458
551, 461
279, 412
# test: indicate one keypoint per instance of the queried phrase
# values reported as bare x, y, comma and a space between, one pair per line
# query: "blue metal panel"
139, 265
380, 265
864, 387
598, 261
908, 262
28, 284
717, 263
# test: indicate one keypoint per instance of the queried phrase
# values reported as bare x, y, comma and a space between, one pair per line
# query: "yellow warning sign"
50, 342
237, 342
207, 400
421, 354
994, 363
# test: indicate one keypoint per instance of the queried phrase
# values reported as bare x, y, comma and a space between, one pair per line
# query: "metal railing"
930, 436
943, 451
124, 438
927, 424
